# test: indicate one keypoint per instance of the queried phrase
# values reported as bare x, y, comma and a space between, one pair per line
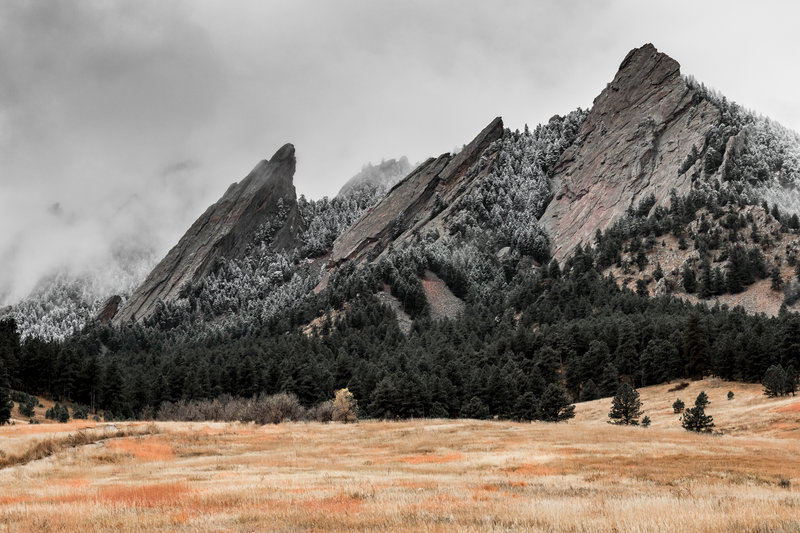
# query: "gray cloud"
134, 116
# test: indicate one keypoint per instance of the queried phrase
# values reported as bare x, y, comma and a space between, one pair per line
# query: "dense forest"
570, 327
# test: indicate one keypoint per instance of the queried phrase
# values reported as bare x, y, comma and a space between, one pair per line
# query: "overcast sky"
134, 116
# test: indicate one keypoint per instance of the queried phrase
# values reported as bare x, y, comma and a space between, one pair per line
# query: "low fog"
120, 122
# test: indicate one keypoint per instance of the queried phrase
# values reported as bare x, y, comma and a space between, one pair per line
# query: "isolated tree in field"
5, 396
554, 405
695, 418
678, 406
344, 407
626, 407
646, 421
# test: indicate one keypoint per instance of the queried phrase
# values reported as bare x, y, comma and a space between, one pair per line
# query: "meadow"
420, 475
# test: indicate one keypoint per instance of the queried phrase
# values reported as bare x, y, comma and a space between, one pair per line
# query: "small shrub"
322, 412
80, 412
680, 386
784, 483
730, 395
275, 409
646, 421
678, 406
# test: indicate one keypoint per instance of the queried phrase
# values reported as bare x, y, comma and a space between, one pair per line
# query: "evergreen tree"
5, 396
646, 421
695, 418
775, 381
658, 273
626, 407
609, 381
589, 392
777, 279
706, 286
791, 380
526, 407
678, 406
475, 408
555, 405
689, 279
695, 348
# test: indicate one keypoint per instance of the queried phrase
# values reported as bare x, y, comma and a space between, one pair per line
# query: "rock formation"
264, 201
109, 309
420, 202
633, 143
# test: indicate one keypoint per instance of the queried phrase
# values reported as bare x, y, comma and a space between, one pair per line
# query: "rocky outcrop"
262, 205
634, 142
420, 202
109, 309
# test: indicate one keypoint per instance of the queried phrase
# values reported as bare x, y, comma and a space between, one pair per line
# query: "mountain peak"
265, 198
284, 153
629, 147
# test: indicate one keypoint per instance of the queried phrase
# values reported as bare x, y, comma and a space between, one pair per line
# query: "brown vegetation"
431, 475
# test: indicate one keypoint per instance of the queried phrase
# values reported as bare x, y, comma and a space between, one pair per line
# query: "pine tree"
695, 418
526, 407
791, 380
777, 279
589, 391
658, 273
609, 381
5, 396
555, 405
678, 406
695, 348
774, 381
689, 278
626, 407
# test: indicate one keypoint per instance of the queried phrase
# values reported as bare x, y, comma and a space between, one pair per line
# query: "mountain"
640, 130
417, 204
508, 202
650, 238
263, 205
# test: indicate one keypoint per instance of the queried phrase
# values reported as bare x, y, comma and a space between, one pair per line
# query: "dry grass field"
423, 475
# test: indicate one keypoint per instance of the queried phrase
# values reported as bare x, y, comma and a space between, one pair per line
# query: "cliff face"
418, 203
633, 143
263, 201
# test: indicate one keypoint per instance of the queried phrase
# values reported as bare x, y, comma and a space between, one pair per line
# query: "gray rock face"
109, 309
633, 143
419, 203
263, 201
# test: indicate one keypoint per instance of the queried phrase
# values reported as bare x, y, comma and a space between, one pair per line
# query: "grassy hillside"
430, 475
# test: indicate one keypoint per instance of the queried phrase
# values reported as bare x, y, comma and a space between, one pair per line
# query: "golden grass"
429, 475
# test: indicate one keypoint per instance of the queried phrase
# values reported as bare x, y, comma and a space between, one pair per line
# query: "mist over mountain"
632, 242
